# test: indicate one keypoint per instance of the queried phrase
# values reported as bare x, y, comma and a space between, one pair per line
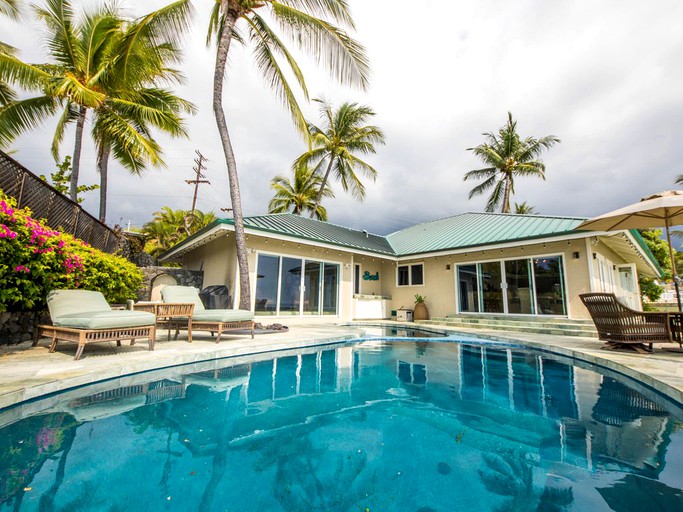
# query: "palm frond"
272, 73
62, 41
23, 115
69, 115
338, 10
482, 187
27, 76
479, 174
10, 8
496, 198
329, 45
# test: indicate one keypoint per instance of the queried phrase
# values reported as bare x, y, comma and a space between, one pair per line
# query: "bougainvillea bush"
35, 259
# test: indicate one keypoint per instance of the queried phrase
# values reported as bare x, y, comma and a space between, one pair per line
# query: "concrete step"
567, 324
560, 330
521, 318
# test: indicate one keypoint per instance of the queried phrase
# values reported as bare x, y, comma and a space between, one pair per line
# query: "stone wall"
183, 277
21, 326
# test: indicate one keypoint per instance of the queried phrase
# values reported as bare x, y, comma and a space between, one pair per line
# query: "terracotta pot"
420, 311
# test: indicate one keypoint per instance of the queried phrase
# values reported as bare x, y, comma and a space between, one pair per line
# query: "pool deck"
30, 372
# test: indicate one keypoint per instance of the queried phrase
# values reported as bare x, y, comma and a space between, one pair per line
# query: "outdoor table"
170, 315
676, 326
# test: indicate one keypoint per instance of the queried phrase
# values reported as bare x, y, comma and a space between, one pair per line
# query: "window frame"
410, 266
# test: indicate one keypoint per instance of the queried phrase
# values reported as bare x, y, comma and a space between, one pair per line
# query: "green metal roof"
296, 226
467, 230
318, 231
477, 229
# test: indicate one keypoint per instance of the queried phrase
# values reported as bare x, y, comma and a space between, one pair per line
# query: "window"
410, 275
356, 279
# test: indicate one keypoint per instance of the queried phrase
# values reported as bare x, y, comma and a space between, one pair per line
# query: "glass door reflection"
491, 279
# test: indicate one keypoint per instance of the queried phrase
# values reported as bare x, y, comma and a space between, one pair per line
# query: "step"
566, 324
514, 327
522, 318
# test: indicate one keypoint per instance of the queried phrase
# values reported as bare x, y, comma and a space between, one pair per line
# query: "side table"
172, 315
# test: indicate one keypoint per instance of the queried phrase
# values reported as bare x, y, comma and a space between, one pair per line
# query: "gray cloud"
604, 77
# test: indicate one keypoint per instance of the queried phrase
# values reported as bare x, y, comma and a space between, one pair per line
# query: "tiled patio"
29, 372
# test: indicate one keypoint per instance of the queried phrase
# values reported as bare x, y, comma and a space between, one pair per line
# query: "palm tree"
507, 156
142, 52
100, 64
170, 227
524, 209
300, 194
335, 145
310, 24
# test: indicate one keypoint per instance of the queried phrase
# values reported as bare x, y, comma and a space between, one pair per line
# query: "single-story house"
469, 263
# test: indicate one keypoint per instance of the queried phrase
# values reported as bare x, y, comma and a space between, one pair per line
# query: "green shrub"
35, 259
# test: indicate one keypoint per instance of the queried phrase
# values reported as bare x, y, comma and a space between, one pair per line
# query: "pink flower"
4, 207
22, 268
6, 232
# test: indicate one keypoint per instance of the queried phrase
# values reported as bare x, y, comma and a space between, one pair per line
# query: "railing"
59, 211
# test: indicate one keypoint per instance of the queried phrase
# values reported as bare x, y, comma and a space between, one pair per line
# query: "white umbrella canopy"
658, 210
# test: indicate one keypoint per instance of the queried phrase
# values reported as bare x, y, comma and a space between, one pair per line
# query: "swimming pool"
379, 425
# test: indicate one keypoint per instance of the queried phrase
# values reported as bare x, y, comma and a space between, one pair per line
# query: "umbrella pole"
673, 263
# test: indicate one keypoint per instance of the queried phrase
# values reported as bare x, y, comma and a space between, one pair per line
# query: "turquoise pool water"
380, 425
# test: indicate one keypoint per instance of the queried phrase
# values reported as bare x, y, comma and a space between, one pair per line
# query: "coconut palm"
335, 146
507, 156
143, 51
170, 227
98, 63
298, 195
524, 209
310, 25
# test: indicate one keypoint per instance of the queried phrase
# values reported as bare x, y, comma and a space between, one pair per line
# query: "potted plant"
420, 311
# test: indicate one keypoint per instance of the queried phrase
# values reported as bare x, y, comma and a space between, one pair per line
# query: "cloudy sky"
605, 77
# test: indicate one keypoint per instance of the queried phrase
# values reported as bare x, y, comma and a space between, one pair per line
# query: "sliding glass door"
519, 287
526, 286
549, 286
491, 280
295, 286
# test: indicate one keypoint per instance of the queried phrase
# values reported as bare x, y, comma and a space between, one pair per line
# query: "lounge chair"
623, 327
85, 317
214, 320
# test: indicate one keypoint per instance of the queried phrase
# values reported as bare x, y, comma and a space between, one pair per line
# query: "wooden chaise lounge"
216, 321
84, 316
623, 327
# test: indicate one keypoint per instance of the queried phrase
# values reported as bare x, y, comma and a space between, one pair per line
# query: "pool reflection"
298, 420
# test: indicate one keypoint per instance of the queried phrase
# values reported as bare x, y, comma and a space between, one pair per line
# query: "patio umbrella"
658, 210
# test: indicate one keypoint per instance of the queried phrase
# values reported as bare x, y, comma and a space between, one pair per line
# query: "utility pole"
198, 179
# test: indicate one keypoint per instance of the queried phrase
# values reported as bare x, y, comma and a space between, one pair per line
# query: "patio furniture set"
84, 316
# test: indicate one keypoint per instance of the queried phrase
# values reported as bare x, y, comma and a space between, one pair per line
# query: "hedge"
35, 259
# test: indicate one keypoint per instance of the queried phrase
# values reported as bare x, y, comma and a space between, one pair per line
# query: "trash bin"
216, 296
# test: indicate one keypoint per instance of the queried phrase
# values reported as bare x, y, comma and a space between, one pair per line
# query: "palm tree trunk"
76, 160
506, 197
103, 168
219, 74
322, 187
